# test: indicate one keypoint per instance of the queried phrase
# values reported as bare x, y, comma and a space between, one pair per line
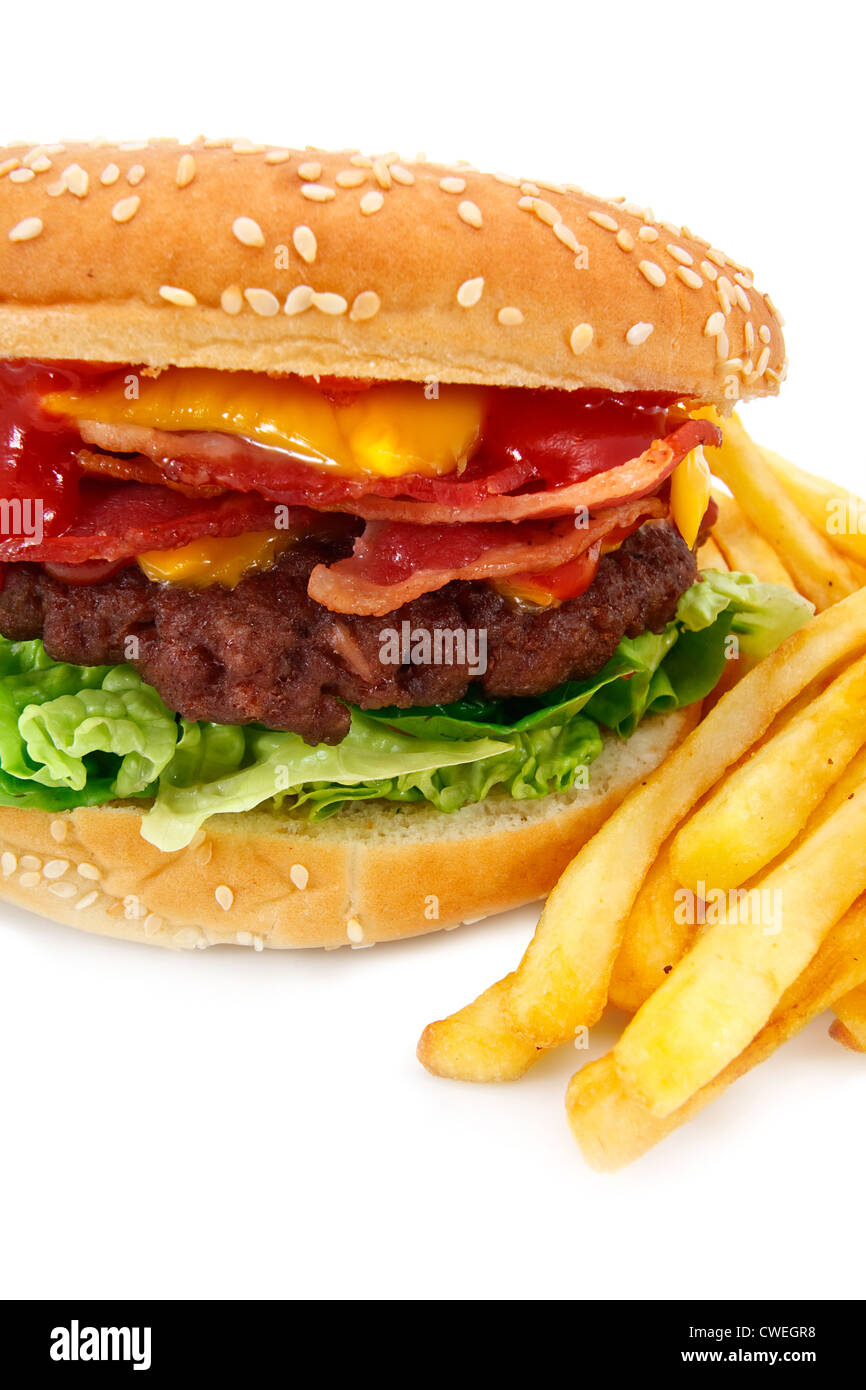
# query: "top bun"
232, 255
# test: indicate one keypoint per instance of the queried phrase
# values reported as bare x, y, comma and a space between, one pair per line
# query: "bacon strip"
200, 460
395, 563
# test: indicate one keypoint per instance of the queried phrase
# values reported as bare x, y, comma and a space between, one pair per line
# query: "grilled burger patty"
266, 652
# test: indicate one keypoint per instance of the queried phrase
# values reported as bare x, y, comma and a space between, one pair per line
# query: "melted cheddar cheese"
215, 560
385, 431
691, 487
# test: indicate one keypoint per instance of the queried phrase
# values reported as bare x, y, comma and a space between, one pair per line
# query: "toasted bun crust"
419, 270
369, 874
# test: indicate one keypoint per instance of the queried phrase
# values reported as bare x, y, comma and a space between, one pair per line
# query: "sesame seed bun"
371, 873
240, 256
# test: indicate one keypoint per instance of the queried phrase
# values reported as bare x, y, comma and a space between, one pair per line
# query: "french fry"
760, 807
850, 1026
722, 993
653, 940
831, 508
613, 1128
819, 571
743, 547
471, 1046
710, 557
562, 980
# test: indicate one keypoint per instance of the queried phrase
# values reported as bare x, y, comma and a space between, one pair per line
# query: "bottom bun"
370, 873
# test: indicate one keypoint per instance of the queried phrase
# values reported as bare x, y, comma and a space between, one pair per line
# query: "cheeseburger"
349, 513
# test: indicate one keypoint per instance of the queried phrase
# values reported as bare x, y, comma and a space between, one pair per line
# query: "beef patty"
266, 652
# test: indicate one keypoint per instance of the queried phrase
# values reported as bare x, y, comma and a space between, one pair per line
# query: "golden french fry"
562, 981
850, 1025
761, 806
613, 1128
819, 571
710, 557
471, 1046
743, 547
722, 993
831, 508
653, 941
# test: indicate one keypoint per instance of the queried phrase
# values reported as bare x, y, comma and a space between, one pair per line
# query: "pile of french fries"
723, 905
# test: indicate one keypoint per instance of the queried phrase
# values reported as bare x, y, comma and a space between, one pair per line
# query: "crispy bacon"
395, 562
118, 521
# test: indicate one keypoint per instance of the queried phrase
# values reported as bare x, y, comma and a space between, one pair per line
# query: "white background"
232, 1124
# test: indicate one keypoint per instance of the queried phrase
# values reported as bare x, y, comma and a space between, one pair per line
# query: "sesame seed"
185, 170
400, 174
258, 943
546, 211
679, 254
552, 187
232, 299
764, 333
56, 868
77, 180
452, 184
224, 896
29, 861
262, 302
653, 273
714, 324
152, 924
244, 146
508, 179
723, 347
470, 292
304, 240
709, 270
109, 175
742, 299
733, 364
55, 189
330, 303
26, 229
8, 863
41, 164
509, 316
580, 339
774, 311
672, 228
361, 161
624, 240
638, 333
8, 165
749, 335
248, 232
525, 204
277, 156
566, 236
89, 871
365, 306
723, 297
603, 219
381, 173
21, 176
633, 209
126, 208
763, 360
371, 202
354, 930
716, 257
58, 831
63, 890
317, 192
300, 876
648, 234
350, 178
87, 901
130, 146
29, 880
182, 298
470, 213
310, 172
531, 188
689, 277
217, 144
298, 299
744, 279
135, 175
